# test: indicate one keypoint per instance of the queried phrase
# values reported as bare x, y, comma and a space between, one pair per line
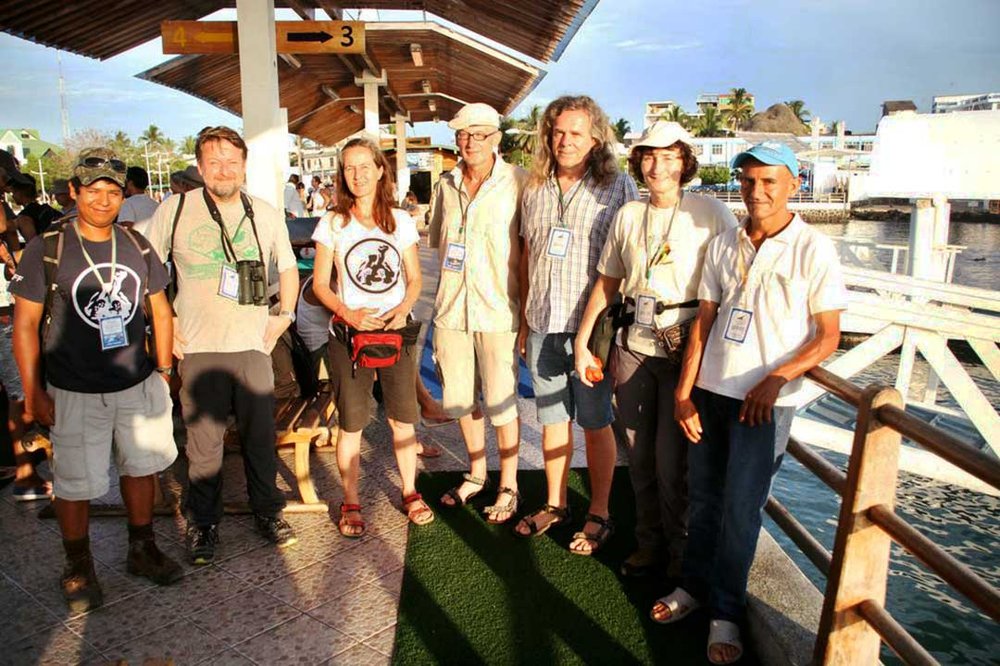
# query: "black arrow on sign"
320, 37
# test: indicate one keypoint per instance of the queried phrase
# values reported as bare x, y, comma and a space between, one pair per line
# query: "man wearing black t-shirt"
34, 218
101, 381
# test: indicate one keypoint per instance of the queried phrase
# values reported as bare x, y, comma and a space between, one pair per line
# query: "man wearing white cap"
770, 298
474, 223
654, 255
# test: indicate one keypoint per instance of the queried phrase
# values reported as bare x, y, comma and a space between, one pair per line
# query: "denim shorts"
560, 396
9, 375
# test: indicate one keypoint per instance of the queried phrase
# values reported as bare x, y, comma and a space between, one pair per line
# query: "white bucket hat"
662, 134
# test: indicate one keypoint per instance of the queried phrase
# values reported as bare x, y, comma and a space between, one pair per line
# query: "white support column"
263, 129
370, 82
402, 170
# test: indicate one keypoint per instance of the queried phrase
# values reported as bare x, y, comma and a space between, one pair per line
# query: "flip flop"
723, 632
679, 603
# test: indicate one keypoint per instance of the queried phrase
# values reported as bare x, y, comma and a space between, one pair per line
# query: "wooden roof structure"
325, 104
540, 29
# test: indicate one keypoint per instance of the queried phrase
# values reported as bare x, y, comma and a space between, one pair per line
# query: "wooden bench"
303, 423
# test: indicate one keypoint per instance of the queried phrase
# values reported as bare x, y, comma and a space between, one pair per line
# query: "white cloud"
648, 46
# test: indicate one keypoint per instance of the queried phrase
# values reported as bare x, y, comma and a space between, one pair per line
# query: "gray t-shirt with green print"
207, 320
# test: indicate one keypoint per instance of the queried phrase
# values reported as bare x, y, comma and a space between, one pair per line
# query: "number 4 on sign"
290, 36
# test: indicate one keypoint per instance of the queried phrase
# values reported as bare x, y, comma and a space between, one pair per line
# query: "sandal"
456, 499
562, 515
419, 515
679, 603
425, 450
722, 632
606, 527
510, 506
346, 525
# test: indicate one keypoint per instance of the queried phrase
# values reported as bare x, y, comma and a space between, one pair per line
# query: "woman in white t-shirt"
653, 256
373, 248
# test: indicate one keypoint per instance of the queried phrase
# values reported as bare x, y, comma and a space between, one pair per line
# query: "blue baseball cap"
772, 153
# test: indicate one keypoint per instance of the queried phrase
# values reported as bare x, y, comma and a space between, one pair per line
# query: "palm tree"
798, 107
152, 135
676, 114
740, 108
621, 128
710, 123
526, 135
188, 144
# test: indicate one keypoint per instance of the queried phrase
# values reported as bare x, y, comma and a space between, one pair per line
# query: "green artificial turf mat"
476, 593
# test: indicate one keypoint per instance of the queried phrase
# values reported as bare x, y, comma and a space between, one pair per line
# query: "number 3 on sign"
347, 32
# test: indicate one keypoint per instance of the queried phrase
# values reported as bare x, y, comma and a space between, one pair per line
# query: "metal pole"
41, 176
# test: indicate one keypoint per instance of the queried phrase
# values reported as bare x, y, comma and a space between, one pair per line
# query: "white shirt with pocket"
792, 277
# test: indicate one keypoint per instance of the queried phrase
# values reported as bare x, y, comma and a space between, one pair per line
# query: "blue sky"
842, 57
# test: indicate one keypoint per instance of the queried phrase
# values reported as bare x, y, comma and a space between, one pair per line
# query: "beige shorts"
459, 355
135, 424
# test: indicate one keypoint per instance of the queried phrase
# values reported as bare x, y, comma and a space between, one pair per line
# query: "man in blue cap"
770, 299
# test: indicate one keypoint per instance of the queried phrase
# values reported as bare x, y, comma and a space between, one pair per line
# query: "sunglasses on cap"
98, 162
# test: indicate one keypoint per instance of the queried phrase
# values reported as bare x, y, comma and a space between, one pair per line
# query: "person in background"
139, 206
373, 247
653, 255
293, 202
575, 192
34, 218
770, 298
60, 192
317, 198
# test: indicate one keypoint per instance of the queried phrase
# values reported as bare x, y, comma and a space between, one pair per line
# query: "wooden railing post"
860, 564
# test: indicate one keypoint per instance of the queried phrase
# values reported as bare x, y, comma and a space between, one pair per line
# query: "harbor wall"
810, 212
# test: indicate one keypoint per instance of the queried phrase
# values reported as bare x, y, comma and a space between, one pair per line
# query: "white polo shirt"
792, 277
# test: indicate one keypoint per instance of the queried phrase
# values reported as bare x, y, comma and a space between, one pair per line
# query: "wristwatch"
289, 314
166, 370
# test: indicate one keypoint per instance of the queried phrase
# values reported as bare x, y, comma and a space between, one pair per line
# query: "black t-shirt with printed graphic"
74, 360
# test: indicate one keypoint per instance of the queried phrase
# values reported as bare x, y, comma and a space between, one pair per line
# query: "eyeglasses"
462, 136
97, 162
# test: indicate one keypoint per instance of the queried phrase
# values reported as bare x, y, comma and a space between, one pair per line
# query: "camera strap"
227, 243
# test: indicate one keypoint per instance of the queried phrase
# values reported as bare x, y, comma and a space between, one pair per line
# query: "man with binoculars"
221, 243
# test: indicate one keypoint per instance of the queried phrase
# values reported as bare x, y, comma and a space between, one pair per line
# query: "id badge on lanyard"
454, 257
741, 316
229, 283
645, 310
113, 333
559, 241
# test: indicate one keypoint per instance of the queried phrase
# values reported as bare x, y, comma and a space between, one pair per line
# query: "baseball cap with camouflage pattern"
96, 163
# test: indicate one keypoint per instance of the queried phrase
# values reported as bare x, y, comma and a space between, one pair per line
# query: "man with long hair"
575, 192
222, 243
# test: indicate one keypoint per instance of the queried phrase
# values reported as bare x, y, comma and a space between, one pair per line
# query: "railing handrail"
854, 589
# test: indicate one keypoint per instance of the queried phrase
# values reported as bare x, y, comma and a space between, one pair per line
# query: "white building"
979, 102
655, 111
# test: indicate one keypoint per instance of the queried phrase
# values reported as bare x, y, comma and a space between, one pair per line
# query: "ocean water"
965, 523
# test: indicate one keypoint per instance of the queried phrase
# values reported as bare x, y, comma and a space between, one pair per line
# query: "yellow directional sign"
291, 36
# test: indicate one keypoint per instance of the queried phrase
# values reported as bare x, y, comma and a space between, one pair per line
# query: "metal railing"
871, 254
854, 621
798, 198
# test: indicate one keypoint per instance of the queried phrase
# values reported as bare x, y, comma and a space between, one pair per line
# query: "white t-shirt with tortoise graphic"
369, 262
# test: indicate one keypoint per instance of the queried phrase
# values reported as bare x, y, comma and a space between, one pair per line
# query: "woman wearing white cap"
653, 255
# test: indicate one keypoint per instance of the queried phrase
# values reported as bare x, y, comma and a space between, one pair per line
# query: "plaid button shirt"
559, 288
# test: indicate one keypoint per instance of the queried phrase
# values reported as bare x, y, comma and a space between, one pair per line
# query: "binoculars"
253, 282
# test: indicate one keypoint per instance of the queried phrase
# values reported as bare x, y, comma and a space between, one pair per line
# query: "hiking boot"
201, 541
275, 529
148, 561
79, 585
642, 562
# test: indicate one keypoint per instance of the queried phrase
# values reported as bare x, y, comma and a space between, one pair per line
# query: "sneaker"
275, 529
80, 587
148, 561
201, 543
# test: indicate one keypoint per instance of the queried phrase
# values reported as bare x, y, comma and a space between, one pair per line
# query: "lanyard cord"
105, 286
563, 203
665, 248
227, 242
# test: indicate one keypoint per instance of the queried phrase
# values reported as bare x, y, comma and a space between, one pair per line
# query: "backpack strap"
169, 259
54, 240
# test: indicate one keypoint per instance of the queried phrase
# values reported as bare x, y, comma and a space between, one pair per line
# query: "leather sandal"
606, 527
562, 515
510, 506
420, 514
344, 523
482, 482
